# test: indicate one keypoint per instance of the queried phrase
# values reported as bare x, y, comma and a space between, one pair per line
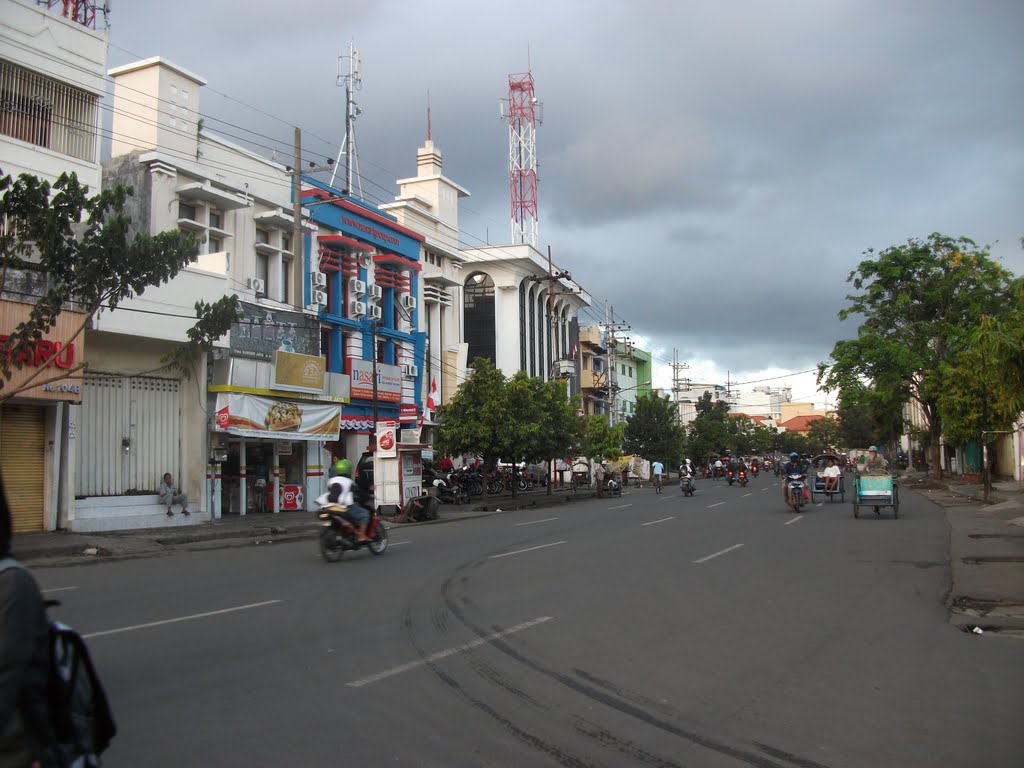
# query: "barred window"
47, 113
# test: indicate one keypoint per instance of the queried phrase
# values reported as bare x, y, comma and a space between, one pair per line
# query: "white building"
140, 418
52, 80
428, 203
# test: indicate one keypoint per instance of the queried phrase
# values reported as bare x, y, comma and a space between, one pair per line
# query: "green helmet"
343, 467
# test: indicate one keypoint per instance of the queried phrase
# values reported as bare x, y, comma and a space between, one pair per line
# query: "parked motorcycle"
338, 534
795, 486
445, 492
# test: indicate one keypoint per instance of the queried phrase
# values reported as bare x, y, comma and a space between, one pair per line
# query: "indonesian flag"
575, 350
431, 405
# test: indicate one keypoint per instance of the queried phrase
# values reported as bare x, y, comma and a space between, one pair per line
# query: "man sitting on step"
170, 495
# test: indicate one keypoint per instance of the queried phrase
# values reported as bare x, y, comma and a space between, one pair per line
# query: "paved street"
648, 630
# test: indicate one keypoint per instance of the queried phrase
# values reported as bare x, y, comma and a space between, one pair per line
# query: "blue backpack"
76, 702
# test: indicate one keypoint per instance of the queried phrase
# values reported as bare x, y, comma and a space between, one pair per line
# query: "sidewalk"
986, 552
51, 549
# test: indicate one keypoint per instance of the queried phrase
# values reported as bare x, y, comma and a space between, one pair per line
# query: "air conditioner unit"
408, 301
375, 312
356, 286
257, 285
319, 279
374, 292
320, 297
356, 308
410, 371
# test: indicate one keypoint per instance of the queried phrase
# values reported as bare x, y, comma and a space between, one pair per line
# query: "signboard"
261, 331
65, 355
252, 416
408, 414
387, 439
389, 381
298, 373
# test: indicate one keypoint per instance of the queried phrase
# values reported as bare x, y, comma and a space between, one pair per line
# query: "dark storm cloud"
713, 170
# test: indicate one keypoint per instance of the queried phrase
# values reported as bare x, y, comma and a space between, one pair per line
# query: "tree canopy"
75, 252
917, 303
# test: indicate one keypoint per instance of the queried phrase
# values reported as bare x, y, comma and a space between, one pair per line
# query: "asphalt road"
647, 630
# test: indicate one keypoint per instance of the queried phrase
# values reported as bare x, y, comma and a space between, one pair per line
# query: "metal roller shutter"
22, 444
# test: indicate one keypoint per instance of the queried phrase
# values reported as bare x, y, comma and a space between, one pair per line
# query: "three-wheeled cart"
818, 464
876, 491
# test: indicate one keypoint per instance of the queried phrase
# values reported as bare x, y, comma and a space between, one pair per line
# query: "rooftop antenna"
350, 77
525, 113
428, 115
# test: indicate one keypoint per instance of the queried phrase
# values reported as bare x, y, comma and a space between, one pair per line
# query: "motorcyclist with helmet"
795, 466
341, 490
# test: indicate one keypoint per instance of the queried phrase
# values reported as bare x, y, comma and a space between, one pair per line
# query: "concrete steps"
96, 514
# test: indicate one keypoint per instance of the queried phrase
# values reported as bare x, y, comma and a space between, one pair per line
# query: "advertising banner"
298, 373
261, 331
389, 381
53, 353
252, 416
387, 439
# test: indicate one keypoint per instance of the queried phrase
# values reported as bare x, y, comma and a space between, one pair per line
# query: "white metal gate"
129, 435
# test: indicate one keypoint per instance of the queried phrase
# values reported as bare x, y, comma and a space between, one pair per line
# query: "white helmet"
687, 460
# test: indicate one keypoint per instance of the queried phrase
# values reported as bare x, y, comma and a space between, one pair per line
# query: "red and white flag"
431, 404
575, 350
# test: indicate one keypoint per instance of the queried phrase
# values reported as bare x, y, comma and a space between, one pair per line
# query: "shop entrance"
253, 471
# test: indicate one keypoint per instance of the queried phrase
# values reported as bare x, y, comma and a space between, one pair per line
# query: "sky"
710, 171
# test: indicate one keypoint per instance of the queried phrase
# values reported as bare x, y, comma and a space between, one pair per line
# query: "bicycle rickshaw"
876, 490
817, 484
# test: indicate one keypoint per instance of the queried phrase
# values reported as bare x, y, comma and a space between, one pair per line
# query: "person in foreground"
795, 466
25, 731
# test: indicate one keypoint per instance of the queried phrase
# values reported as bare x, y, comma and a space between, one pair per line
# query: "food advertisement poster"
252, 416
298, 373
387, 439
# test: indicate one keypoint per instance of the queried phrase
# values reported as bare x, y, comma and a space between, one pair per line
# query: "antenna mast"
350, 77
525, 113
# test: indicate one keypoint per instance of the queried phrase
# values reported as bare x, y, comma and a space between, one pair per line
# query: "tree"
561, 427
475, 420
74, 251
601, 440
709, 431
823, 434
915, 301
651, 430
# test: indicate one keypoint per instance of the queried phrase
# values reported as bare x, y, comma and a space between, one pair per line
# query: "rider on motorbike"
340, 491
795, 466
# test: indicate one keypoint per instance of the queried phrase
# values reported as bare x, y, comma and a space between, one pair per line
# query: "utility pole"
677, 382
298, 249
551, 316
611, 343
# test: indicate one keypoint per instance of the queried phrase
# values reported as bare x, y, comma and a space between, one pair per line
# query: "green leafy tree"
915, 302
709, 431
824, 435
75, 250
601, 440
764, 439
651, 430
741, 435
476, 419
561, 427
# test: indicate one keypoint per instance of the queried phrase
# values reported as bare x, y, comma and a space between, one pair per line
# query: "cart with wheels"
876, 490
817, 482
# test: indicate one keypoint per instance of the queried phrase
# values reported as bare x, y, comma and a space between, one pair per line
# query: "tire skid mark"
783, 755
489, 672
636, 753
626, 694
609, 700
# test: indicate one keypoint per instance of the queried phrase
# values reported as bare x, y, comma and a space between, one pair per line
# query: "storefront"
35, 429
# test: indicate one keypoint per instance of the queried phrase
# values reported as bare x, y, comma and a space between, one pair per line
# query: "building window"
261, 267
286, 243
215, 219
262, 236
478, 312
522, 326
186, 211
214, 244
286, 273
47, 113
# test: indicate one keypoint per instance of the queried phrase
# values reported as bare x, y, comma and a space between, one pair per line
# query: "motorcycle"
741, 476
448, 494
731, 477
338, 534
755, 470
795, 488
686, 485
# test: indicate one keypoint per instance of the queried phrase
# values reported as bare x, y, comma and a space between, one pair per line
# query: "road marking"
819, 503
765, 488
745, 495
58, 589
531, 549
716, 554
621, 506
398, 543
445, 653
179, 618
716, 504
532, 522
794, 520
655, 522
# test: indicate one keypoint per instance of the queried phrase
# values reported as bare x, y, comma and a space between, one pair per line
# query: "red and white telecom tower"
524, 115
